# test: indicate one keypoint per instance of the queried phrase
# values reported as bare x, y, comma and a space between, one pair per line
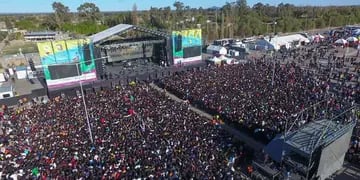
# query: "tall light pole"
273, 73
82, 91
274, 23
83, 98
268, 24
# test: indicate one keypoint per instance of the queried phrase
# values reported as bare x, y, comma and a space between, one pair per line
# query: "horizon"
44, 6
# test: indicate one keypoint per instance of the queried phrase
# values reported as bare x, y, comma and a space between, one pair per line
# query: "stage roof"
121, 28
110, 32
315, 134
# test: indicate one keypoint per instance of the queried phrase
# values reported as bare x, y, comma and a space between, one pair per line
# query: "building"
2, 75
6, 91
289, 41
44, 36
223, 42
214, 49
21, 72
261, 44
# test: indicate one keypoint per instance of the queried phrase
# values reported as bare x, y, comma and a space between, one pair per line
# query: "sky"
28, 6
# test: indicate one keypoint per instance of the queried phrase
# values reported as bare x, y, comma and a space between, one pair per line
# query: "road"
257, 146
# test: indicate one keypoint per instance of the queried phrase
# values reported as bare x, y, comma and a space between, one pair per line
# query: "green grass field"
13, 48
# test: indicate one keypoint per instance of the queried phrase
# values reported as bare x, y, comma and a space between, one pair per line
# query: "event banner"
67, 62
187, 45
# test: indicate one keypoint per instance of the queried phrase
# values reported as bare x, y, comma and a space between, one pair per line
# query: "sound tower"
87, 54
99, 63
32, 65
178, 43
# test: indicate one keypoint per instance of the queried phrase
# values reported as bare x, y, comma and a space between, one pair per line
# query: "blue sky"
7, 6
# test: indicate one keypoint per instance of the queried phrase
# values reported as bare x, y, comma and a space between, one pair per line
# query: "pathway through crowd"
257, 146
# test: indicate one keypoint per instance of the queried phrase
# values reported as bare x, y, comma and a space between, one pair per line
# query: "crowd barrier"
148, 76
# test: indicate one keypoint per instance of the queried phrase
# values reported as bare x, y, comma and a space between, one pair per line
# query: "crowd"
137, 132
259, 102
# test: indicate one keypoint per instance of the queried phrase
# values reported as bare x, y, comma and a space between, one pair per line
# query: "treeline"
235, 19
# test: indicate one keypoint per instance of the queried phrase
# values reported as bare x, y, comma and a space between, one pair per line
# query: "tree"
178, 5
62, 13
237, 18
84, 28
134, 16
26, 24
8, 23
259, 8
243, 7
179, 8
49, 23
167, 13
89, 11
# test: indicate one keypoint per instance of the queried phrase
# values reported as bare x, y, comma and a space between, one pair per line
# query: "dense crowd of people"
251, 96
138, 132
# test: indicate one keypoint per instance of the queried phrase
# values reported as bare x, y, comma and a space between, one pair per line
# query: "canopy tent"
226, 59
356, 32
340, 41
319, 36
215, 60
213, 49
287, 41
352, 39
265, 45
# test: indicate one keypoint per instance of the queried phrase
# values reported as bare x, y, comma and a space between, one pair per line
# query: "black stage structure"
126, 53
118, 45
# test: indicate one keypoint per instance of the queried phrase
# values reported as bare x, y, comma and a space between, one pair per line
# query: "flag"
35, 172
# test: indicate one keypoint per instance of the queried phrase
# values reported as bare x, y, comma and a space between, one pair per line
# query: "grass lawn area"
13, 48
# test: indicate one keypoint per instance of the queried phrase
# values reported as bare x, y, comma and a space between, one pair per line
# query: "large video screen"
63, 71
187, 46
129, 51
67, 62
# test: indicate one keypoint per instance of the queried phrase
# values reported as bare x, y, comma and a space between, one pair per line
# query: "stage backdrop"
187, 46
67, 62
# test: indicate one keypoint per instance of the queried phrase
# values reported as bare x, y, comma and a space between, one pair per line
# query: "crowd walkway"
257, 146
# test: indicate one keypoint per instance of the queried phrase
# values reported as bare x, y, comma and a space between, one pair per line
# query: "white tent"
213, 49
215, 59
288, 41
226, 59
356, 32
320, 36
352, 39
340, 41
